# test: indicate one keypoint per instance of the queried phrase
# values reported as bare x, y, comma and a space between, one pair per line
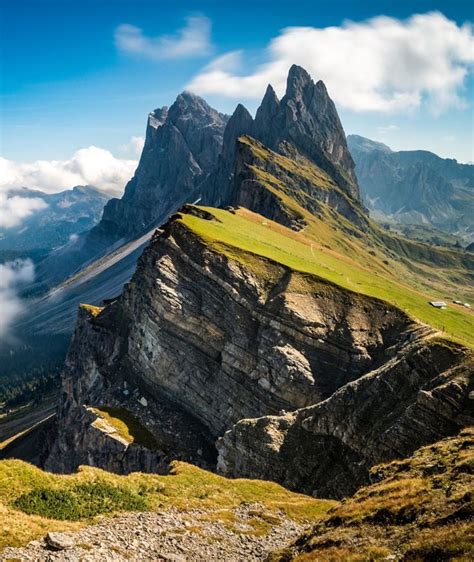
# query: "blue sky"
72, 77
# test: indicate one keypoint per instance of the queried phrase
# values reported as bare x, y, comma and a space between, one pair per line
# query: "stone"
60, 541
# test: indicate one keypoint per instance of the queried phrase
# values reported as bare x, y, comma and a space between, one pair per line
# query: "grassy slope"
33, 502
419, 508
323, 251
125, 425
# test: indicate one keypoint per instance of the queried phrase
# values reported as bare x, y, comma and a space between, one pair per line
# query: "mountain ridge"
415, 187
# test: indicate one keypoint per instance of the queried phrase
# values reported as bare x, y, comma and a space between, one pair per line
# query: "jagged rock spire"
307, 118
240, 123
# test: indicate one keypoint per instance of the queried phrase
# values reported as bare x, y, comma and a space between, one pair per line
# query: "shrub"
80, 502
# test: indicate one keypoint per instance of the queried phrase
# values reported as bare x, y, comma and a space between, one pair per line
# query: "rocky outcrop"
173, 337
327, 449
89, 383
181, 148
307, 118
305, 121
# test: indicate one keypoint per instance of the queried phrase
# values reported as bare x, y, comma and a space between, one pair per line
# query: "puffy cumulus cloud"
193, 40
88, 166
134, 147
14, 208
382, 64
12, 275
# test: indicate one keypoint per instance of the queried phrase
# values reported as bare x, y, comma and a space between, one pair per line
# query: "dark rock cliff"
181, 148
206, 340
305, 119
326, 450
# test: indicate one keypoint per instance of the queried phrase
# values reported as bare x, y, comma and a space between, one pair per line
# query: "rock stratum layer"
218, 337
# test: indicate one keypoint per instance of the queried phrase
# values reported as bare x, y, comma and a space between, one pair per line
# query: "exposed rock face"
174, 334
305, 119
181, 148
217, 189
210, 341
415, 186
88, 382
327, 449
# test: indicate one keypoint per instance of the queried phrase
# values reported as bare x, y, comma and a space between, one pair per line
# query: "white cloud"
12, 275
13, 209
384, 129
382, 64
88, 166
134, 147
191, 41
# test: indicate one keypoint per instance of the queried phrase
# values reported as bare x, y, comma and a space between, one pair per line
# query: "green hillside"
249, 237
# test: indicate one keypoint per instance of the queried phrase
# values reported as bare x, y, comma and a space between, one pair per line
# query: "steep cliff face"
93, 378
232, 320
326, 450
181, 148
174, 338
305, 120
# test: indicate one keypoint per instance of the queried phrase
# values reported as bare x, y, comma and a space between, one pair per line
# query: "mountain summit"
307, 118
181, 149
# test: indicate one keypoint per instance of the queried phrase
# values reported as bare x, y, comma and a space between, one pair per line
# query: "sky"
78, 77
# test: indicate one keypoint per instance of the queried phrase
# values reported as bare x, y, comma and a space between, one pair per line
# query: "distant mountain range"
415, 187
64, 216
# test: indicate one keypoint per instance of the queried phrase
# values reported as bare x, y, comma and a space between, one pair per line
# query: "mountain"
278, 333
189, 154
305, 120
181, 148
330, 308
65, 215
415, 187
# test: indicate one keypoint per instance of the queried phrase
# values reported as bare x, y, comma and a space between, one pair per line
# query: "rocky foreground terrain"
173, 536
419, 508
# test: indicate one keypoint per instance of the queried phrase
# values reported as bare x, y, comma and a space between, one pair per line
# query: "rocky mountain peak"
298, 80
182, 146
311, 123
305, 119
240, 123
189, 105
157, 117
270, 103
268, 122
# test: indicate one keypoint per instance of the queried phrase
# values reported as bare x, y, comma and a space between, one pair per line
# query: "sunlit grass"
247, 237
29, 497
